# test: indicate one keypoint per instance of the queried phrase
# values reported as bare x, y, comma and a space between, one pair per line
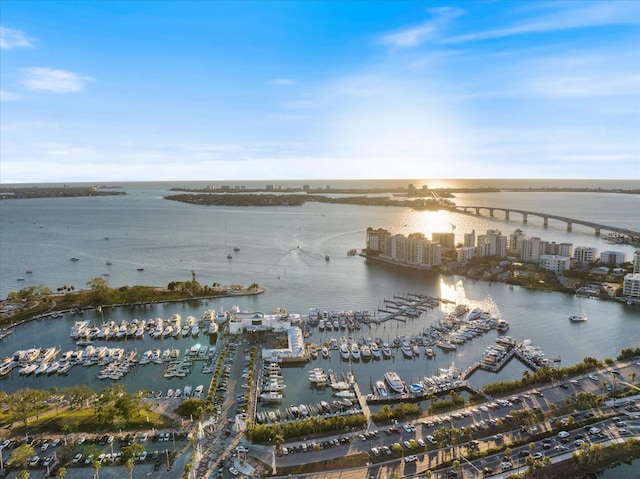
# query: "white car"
48, 461
234, 471
244, 449
431, 439
563, 434
34, 461
4, 444
506, 465
77, 458
411, 458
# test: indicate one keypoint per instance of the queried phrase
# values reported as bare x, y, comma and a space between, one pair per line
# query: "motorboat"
394, 382
365, 352
271, 397
344, 351
375, 351
381, 389
416, 388
386, 351
577, 318
355, 352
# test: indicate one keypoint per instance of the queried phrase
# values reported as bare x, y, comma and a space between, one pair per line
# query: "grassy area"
84, 420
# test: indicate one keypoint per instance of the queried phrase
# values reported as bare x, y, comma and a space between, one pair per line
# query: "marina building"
240, 321
293, 352
631, 286
555, 263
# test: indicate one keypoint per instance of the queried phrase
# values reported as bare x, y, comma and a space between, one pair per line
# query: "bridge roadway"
545, 219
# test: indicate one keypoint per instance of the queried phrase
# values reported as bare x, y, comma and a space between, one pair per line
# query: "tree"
62, 472
23, 475
130, 452
129, 465
457, 467
21, 455
96, 467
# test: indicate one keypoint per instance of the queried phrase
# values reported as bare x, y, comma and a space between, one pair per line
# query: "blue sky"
125, 90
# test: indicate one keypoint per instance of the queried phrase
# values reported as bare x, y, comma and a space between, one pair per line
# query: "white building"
585, 255
631, 287
531, 250
377, 239
465, 253
613, 258
552, 262
492, 244
636, 261
294, 350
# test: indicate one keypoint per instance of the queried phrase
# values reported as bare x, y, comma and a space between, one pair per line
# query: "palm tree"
23, 475
62, 472
129, 467
96, 467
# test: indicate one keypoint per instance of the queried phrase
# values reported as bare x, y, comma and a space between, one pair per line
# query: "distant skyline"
242, 90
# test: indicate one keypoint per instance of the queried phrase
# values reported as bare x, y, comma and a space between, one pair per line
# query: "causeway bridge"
506, 212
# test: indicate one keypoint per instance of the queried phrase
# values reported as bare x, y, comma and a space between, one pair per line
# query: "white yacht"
344, 351
355, 351
381, 389
394, 382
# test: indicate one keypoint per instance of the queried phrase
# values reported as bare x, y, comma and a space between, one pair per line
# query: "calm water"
171, 240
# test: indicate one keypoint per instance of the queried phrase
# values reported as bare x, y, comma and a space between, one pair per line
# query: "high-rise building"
531, 250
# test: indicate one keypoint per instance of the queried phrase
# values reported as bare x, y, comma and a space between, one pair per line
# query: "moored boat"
394, 382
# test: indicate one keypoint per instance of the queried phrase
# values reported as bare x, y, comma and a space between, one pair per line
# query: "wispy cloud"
282, 82
56, 81
9, 96
14, 39
581, 16
417, 34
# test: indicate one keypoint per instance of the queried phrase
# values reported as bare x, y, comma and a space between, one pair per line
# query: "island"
66, 191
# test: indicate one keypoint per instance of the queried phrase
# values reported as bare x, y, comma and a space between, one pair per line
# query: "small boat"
271, 397
21, 278
386, 351
140, 268
327, 258
74, 259
381, 389
236, 249
108, 263
416, 388
325, 352
578, 318
229, 256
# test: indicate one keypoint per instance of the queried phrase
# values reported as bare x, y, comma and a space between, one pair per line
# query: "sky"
264, 90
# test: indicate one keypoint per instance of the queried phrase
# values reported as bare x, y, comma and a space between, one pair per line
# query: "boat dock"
406, 307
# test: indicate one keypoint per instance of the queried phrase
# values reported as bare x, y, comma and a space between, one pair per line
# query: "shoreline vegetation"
65, 191
36, 302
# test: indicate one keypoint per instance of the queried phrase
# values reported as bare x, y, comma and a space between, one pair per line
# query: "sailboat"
578, 318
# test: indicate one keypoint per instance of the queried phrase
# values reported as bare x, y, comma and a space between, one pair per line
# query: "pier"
403, 307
